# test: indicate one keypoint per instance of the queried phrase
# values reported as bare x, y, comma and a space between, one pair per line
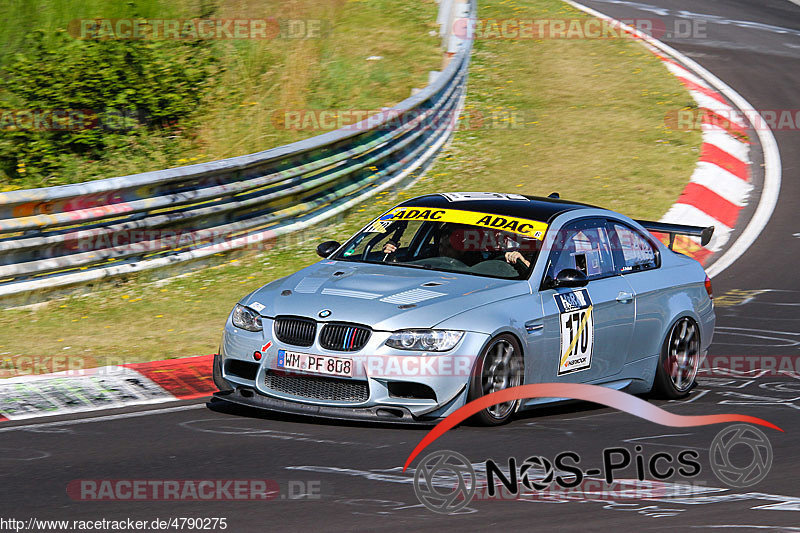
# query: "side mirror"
570, 277
327, 248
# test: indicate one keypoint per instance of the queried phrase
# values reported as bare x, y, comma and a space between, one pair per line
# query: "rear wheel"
498, 367
679, 361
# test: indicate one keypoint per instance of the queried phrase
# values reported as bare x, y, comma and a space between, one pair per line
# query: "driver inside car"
512, 253
452, 243
518, 251
447, 246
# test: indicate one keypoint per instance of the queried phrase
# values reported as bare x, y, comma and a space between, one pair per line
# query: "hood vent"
411, 297
363, 295
309, 285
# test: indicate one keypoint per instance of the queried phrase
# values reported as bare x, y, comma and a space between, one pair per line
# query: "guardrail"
61, 236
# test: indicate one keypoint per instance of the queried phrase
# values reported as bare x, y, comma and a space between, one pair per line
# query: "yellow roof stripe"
522, 226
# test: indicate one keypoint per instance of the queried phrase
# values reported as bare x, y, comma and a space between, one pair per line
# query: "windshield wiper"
367, 262
411, 265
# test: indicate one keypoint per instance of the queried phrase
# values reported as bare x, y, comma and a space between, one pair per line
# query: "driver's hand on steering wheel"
389, 248
513, 257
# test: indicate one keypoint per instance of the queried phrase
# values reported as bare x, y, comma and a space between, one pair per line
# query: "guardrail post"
456, 26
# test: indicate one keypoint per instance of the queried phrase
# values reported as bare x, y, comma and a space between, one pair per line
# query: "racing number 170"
574, 323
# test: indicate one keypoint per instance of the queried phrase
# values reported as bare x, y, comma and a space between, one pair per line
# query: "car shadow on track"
565, 409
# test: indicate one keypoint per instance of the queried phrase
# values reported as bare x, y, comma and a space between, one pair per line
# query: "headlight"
245, 318
425, 340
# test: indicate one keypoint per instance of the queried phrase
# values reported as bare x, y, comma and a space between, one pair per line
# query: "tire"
497, 369
679, 360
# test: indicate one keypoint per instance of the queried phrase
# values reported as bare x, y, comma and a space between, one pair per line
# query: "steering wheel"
495, 267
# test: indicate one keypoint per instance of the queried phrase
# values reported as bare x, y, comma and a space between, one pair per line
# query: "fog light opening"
410, 390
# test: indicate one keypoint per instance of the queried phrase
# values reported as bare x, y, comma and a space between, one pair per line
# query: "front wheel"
498, 367
679, 360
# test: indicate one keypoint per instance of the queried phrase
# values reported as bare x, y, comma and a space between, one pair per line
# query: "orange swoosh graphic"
579, 391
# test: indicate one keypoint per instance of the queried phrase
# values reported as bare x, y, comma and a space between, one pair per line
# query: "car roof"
515, 205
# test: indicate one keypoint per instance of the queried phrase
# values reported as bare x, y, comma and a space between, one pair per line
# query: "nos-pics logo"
445, 481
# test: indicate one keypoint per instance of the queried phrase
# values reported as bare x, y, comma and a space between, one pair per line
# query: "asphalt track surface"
357, 468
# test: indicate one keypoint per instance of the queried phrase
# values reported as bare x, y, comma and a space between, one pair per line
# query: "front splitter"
380, 414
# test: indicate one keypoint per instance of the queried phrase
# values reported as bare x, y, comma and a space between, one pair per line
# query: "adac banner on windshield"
522, 226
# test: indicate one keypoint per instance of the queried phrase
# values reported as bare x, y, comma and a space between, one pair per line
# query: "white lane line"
696, 396
706, 17
668, 435
748, 526
103, 418
658, 437
772, 158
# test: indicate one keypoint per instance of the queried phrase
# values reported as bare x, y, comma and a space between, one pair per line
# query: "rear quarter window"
635, 252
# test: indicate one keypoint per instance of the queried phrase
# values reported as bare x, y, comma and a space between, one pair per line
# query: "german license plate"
317, 364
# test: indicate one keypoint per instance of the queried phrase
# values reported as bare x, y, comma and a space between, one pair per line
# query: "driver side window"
582, 245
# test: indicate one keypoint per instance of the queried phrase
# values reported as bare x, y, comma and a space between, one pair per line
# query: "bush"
64, 98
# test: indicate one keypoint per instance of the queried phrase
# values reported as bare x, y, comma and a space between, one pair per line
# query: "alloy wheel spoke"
684, 354
499, 374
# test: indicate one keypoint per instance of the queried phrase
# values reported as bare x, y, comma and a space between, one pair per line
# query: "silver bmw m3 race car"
449, 297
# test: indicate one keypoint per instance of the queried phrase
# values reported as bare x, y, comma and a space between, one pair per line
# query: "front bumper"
379, 369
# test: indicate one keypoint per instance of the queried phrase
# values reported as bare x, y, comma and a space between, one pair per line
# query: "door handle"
534, 326
624, 297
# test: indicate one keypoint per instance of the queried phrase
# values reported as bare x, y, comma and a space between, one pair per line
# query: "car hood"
384, 297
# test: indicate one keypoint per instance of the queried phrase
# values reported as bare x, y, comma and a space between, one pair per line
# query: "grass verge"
593, 130
320, 62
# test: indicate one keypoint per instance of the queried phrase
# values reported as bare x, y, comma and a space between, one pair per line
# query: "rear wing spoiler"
679, 229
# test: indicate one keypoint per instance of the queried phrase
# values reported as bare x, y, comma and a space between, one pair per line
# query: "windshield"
489, 245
